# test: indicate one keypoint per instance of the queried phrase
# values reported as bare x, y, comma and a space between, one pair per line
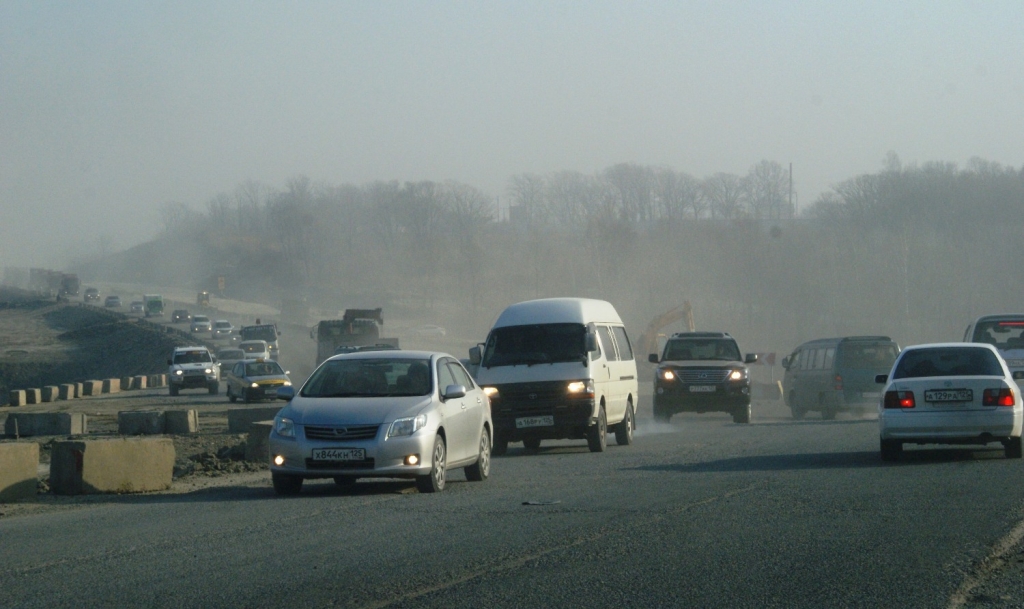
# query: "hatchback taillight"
899, 399
997, 397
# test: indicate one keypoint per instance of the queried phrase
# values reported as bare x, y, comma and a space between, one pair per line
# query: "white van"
558, 368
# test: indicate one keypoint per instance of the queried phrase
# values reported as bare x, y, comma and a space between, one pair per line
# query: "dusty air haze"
125, 122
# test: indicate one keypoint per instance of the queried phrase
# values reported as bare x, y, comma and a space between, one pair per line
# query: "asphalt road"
698, 513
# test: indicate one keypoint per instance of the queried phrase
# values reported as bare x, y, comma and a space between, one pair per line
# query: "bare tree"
767, 185
633, 188
725, 195
527, 191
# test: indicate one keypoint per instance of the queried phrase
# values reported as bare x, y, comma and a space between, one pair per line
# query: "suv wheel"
742, 415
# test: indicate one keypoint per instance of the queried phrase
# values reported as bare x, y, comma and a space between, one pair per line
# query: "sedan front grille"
342, 432
705, 375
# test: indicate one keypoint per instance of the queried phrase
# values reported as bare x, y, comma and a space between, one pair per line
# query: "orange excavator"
649, 339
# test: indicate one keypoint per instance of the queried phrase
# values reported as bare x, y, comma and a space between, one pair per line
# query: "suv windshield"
866, 356
535, 344
1003, 334
948, 361
683, 349
192, 357
373, 378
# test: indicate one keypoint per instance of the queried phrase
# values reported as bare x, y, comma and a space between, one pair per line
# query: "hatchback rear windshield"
384, 377
1003, 334
947, 361
866, 356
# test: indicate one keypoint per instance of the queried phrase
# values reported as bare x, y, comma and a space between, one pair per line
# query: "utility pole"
791, 189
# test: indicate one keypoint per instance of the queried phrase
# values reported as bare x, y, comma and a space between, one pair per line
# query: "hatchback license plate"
546, 421
949, 395
339, 454
702, 388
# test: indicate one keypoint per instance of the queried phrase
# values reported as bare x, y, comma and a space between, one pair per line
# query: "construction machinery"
649, 339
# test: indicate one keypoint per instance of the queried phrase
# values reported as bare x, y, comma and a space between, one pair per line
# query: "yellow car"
255, 379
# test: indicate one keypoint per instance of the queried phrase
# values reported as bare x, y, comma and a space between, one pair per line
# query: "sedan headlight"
284, 427
407, 426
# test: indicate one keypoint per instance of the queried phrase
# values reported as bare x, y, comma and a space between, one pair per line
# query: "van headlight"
580, 388
284, 427
407, 426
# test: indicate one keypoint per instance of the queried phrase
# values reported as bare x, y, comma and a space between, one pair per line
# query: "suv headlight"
284, 427
178, 372
407, 426
738, 374
666, 375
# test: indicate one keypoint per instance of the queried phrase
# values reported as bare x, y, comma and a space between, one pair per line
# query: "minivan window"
625, 351
535, 344
867, 356
606, 342
947, 361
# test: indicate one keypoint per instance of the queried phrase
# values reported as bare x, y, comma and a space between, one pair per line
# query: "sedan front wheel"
481, 470
435, 480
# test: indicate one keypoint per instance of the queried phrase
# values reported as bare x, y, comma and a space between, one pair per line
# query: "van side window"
819, 359
830, 355
622, 341
807, 359
607, 343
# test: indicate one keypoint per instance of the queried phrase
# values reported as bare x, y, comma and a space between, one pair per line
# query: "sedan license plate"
702, 388
339, 454
949, 395
546, 421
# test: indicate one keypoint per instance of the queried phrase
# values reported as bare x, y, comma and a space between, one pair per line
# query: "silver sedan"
382, 414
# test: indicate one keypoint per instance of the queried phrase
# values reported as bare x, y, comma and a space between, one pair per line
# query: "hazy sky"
110, 109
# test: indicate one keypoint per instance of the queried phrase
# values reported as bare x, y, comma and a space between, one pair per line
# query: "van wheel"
531, 443
742, 415
624, 430
597, 435
1013, 448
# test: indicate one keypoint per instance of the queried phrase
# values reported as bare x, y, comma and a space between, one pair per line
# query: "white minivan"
558, 368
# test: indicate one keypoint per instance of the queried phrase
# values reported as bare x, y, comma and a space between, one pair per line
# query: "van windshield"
535, 344
1003, 334
866, 356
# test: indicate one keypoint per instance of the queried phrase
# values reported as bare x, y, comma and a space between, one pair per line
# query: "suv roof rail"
701, 335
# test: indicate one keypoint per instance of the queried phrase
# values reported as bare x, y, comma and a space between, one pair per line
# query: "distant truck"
69, 285
154, 305
267, 332
356, 328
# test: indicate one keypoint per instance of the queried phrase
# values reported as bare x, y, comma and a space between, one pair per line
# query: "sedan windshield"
263, 369
383, 377
535, 344
947, 361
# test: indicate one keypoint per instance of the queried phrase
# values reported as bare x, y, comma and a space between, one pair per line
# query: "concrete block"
139, 382
123, 465
257, 444
67, 391
92, 387
126, 383
17, 398
240, 419
140, 423
161, 379
79, 390
46, 424
33, 396
19, 464
111, 385
155, 380
51, 393
181, 421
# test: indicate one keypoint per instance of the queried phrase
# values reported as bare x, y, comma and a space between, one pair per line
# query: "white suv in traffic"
192, 368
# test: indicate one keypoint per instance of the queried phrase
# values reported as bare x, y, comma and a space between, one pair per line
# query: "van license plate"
524, 422
339, 454
702, 388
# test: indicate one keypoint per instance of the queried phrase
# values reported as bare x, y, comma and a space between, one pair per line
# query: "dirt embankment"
45, 343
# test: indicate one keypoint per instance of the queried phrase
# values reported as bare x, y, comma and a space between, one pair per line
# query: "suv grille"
342, 433
702, 375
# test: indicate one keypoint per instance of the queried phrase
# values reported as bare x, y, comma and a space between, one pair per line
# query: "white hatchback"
949, 393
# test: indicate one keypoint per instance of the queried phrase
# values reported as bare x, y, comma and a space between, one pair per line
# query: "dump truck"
356, 328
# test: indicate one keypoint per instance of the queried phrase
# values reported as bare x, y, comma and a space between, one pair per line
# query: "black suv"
702, 372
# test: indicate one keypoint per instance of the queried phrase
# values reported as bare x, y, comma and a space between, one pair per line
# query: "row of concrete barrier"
114, 465
129, 422
70, 391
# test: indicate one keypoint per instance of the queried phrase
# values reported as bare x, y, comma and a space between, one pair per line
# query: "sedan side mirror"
285, 393
653, 358
452, 392
750, 358
881, 379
